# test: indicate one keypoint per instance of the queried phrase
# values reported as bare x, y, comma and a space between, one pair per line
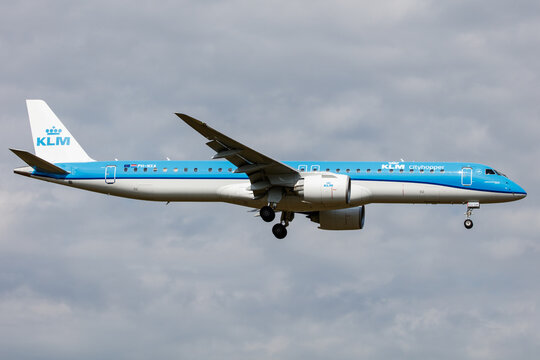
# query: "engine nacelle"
342, 219
325, 188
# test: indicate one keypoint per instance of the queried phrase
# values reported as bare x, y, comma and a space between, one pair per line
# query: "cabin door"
110, 174
466, 176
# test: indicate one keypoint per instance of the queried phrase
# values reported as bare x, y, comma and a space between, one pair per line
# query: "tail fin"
52, 140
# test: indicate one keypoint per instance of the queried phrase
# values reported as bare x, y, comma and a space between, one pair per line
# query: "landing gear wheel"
267, 213
279, 231
468, 224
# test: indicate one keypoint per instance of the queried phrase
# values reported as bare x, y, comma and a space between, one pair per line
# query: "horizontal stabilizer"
38, 163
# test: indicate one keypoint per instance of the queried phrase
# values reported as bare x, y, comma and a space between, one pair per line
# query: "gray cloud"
89, 276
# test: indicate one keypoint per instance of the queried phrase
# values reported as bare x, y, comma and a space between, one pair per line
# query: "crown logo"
53, 131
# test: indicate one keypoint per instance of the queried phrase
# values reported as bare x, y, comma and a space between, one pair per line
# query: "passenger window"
421, 170
145, 169
164, 169
357, 170
368, 170
431, 170
209, 169
185, 169
378, 170
348, 170
175, 170
220, 169
155, 169
400, 170
195, 170
391, 170
411, 170
125, 169
135, 169
229, 170
327, 169
442, 170
338, 170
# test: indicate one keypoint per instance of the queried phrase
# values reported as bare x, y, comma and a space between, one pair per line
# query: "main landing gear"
470, 206
267, 213
279, 230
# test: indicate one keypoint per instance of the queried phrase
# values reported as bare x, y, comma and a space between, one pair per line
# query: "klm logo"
393, 165
53, 138
328, 184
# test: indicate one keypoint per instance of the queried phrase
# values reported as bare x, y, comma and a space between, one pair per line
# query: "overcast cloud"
88, 276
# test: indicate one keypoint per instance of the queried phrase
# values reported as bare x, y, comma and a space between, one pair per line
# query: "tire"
279, 231
468, 224
267, 213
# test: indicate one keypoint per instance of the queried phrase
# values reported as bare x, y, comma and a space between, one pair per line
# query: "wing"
263, 172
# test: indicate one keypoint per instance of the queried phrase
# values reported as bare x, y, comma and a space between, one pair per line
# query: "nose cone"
518, 196
519, 192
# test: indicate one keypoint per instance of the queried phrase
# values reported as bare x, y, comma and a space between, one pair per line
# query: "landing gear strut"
470, 206
280, 229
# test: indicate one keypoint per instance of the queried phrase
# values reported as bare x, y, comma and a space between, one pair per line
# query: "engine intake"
341, 219
327, 189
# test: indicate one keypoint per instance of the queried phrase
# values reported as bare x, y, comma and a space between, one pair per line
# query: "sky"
86, 276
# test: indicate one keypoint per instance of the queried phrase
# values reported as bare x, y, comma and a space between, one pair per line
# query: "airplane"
333, 194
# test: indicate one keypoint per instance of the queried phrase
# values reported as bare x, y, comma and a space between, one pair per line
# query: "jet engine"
327, 189
341, 219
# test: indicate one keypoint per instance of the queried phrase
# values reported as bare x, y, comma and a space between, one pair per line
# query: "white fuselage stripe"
237, 191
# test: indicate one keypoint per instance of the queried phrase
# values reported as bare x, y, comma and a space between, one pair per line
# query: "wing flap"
226, 153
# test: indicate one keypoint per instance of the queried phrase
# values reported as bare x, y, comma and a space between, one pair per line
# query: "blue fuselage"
465, 176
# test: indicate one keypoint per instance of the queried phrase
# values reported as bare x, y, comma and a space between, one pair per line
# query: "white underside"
237, 192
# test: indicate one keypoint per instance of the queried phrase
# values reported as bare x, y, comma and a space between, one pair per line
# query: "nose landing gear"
470, 206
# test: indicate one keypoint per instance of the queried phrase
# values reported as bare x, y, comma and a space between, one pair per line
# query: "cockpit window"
493, 172
500, 173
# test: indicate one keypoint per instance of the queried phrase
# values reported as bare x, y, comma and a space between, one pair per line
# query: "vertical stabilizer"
52, 140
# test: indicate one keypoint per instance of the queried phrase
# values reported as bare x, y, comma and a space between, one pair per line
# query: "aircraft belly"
238, 192
158, 189
421, 193
407, 192
177, 189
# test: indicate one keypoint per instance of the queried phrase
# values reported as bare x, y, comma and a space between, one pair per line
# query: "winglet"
38, 163
194, 123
